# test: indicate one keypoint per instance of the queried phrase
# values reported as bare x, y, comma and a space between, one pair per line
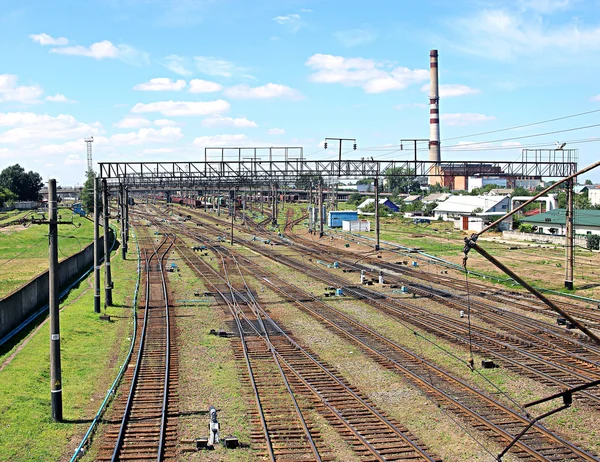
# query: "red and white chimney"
434, 108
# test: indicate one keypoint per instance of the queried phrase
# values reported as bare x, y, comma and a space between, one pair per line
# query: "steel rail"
129, 403
256, 310
368, 445
246, 357
525, 420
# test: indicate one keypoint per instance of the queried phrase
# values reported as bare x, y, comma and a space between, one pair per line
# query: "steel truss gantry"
256, 171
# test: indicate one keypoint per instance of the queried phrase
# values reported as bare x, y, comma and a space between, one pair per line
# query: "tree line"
18, 185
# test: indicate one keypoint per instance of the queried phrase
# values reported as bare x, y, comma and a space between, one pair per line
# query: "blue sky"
161, 79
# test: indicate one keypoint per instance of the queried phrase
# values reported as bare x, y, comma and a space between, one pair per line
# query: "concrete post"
320, 213
55, 369
126, 218
122, 224
107, 273
274, 189
96, 246
376, 185
569, 237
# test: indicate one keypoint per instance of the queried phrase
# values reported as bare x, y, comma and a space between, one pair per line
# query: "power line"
524, 125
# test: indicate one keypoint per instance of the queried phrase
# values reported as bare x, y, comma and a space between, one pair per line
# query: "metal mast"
88, 142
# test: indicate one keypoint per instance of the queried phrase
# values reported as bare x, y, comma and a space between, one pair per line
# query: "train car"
176, 199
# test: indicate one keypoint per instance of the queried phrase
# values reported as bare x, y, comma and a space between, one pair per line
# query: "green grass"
24, 251
92, 352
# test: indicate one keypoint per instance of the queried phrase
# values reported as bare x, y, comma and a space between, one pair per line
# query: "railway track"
288, 381
552, 448
143, 425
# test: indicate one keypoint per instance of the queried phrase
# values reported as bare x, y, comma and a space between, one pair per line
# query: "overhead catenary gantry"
276, 168
266, 170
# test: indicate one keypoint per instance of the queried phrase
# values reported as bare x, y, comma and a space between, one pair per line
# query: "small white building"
468, 223
353, 226
594, 194
457, 206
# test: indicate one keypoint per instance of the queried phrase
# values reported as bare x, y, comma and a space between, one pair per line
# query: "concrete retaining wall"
19, 305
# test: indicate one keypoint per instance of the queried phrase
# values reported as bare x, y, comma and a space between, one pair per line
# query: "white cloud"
306, 10
292, 21
504, 34
28, 127
147, 135
59, 98
218, 67
372, 76
204, 86
161, 84
106, 50
98, 50
465, 118
222, 140
74, 159
158, 151
177, 64
355, 37
220, 121
276, 131
410, 105
133, 122
165, 123
453, 89
544, 6
70, 146
183, 108
595, 98
6, 153
270, 90
45, 39
10, 91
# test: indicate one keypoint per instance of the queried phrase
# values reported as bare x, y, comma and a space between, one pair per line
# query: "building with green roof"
553, 222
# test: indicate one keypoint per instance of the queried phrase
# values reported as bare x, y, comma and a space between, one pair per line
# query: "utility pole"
232, 210
340, 140
311, 208
108, 286
376, 184
126, 217
320, 213
53, 284
122, 219
569, 237
96, 247
274, 189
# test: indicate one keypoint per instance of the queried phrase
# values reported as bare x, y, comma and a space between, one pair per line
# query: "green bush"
593, 241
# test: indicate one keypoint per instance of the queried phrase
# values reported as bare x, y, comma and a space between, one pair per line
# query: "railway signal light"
325, 144
354, 146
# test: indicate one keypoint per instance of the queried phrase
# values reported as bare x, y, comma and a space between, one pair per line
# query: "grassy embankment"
24, 251
92, 352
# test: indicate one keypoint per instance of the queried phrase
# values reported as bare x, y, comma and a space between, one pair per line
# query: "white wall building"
457, 206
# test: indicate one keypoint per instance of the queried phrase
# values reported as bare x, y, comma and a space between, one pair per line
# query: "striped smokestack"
434, 109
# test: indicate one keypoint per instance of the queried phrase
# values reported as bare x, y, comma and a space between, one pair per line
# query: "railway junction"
244, 329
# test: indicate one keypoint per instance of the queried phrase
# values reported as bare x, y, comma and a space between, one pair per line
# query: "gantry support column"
126, 217
376, 185
121, 208
569, 237
96, 246
107, 273
320, 199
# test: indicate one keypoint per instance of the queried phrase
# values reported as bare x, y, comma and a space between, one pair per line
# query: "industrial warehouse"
191, 270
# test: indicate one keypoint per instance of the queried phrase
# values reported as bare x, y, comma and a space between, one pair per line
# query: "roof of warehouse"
557, 217
466, 204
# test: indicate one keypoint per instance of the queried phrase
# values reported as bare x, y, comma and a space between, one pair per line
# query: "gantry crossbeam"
256, 171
